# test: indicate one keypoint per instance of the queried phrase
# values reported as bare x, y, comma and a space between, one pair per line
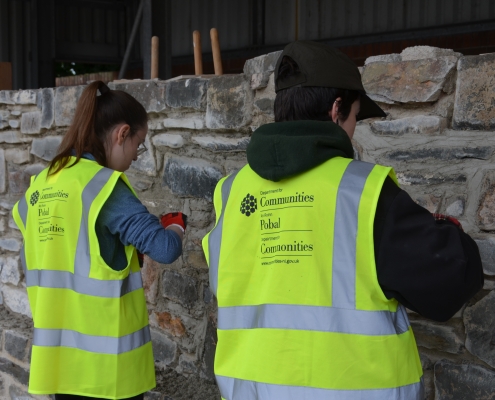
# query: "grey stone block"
466, 381
191, 176
230, 102
221, 144
210, 347
66, 98
10, 244
17, 156
46, 148
187, 364
260, 64
24, 96
3, 178
14, 123
16, 344
16, 300
6, 97
192, 122
17, 372
424, 79
473, 107
265, 105
31, 122
146, 162
174, 141
153, 396
486, 208
151, 94
479, 320
47, 108
394, 58
487, 252
444, 154
10, 270
164, 349
427, 178
180, 288
418, 125
13, 137
422, 52
187, 93
19, 179
207, 295
456, 208
439, 336
18, 394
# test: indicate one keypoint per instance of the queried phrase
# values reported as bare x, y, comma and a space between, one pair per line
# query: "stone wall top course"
415, 81
187, 93
229, 102
65, 101
474, 105
150, 93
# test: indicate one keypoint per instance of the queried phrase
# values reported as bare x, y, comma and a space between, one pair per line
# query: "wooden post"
198, 56
154, 56
215, 48
5, 76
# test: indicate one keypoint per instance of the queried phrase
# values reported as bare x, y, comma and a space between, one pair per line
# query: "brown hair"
94, 119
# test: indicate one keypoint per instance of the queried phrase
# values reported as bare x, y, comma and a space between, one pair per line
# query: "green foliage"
71, 68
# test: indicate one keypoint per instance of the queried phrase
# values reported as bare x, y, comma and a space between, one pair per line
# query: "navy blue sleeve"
127, 218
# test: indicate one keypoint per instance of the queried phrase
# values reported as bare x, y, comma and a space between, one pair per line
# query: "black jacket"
432, 267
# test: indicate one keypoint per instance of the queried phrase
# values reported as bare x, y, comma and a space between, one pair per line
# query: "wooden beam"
5, 76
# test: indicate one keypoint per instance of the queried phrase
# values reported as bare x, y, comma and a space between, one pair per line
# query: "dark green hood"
283, 149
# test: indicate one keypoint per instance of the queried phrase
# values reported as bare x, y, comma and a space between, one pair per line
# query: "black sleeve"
431, 267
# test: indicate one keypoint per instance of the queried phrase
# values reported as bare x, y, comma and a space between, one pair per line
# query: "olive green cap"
325, 66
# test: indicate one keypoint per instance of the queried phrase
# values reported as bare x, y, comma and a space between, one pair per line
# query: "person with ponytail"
84, 230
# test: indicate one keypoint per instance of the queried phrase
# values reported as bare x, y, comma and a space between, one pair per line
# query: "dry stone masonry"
437, 135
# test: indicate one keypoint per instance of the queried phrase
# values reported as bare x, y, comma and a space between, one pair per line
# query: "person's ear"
122, 131
334, 112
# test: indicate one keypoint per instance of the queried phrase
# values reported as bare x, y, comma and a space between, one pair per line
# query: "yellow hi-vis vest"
301, 314
91, 334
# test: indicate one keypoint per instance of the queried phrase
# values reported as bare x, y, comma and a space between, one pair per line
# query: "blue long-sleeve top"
124, 220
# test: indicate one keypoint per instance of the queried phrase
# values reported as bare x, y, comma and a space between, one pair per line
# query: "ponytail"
94, 119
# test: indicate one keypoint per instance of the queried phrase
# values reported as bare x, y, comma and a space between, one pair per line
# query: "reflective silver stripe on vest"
82, 262
95, 344
84, 285
314, 318
345, 234
23, 210
233, 389
215, 238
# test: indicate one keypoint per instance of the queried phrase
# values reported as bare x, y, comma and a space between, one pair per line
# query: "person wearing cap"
314, 256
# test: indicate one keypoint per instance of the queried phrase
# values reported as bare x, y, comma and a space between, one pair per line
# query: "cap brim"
369, 109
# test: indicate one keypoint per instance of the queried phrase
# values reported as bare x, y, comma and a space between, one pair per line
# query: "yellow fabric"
248, 275
55, 207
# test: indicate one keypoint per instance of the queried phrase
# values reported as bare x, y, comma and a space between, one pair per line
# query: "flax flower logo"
34, 198
249, 205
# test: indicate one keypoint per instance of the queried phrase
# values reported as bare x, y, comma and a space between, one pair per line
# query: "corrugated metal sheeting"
35, 33
288, 20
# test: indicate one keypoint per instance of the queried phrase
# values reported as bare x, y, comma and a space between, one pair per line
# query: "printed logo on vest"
34, 198
249, 205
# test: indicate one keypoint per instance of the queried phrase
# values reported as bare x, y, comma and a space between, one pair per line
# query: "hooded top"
435, 281
283, 149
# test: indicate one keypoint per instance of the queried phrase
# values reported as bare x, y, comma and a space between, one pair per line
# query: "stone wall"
436, 135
